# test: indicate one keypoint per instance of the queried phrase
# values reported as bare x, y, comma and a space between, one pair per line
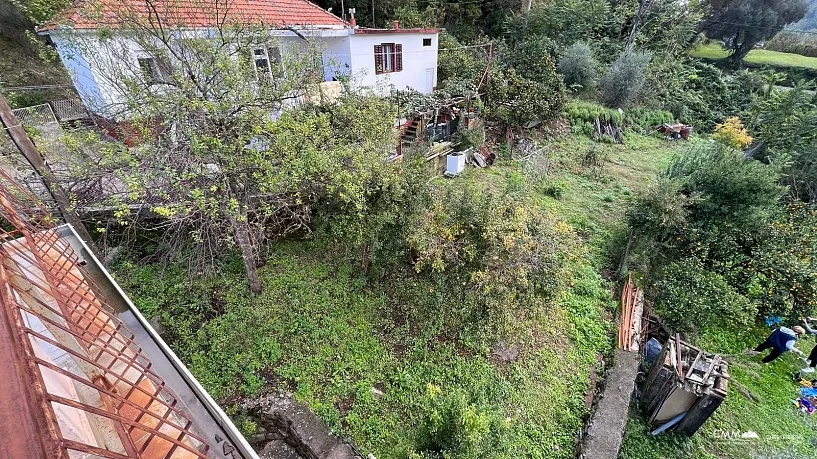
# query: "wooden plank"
678, 354
692, 367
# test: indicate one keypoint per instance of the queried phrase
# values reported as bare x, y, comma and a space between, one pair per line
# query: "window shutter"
378, 59
398, 58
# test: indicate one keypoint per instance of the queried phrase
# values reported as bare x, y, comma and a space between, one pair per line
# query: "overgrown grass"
594, 198
21, 65
715, 51
329, 335
782, 430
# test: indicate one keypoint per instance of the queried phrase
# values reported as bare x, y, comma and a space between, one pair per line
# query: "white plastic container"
455, 163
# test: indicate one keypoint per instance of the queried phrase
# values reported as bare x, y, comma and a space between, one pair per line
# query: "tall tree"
229, 150
742, 24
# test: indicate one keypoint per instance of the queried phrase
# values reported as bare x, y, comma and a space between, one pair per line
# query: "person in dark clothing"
781, 340
813, 355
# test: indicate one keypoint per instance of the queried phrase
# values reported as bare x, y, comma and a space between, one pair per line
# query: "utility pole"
23, 143
374, 24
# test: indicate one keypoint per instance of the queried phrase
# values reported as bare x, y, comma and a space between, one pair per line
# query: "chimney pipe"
396, 25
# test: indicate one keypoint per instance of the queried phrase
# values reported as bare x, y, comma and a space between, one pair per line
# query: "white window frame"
388, 57
263, 53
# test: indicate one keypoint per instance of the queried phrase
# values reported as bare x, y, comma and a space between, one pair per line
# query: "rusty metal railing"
96, 389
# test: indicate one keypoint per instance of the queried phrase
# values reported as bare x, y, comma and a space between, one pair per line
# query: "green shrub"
580, 112
533, 59
736, 194
781, 272
554, 189
472, 137
516, 100
636, 119
646, 121
692, 298
578, 67
623, 82
793, 42
453, 428
505, 255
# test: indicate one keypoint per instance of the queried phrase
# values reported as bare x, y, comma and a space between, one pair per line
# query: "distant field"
758, 57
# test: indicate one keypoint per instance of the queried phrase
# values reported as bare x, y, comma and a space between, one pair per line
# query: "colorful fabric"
808, 392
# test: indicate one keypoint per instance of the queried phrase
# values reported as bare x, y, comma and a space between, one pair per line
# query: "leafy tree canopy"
742, 24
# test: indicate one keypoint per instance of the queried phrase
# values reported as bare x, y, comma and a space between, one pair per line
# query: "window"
154, 70
388, 57
267, 60
426, 42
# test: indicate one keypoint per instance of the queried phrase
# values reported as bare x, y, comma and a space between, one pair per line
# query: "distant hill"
808, 23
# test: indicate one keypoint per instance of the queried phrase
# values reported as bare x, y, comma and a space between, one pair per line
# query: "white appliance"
455, 163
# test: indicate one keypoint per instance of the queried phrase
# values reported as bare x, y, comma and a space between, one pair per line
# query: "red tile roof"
95, 14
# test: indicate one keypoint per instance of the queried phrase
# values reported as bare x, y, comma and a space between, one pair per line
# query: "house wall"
344, 54
96, 68
337, 59
79, 69
417, 61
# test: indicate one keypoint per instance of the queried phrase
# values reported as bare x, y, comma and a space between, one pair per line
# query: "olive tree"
623, 82
577, 66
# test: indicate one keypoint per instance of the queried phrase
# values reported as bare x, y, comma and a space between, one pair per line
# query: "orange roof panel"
96, 14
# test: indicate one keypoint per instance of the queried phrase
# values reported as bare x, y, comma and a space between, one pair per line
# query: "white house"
381, 59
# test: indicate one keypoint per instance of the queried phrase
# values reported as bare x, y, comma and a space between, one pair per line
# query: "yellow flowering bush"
732, 134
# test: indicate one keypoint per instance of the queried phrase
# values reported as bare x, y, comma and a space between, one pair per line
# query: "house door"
430, 80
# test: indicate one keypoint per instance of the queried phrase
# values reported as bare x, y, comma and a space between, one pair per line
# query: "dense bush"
786, 128
532, 59
504, 254
737, 195
655, 218
472, 137
453, 428
641, 120
578, 67
795, 43
646, 121
732, 134
578, 112
691, 299
517, 101
781, 272
700, 94
458, 62
726, 246
569, 21
623, 82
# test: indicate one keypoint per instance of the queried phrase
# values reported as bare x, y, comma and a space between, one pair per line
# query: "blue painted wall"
80, 72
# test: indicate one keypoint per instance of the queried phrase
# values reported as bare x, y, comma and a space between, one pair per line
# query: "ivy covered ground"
323, 331
329, 335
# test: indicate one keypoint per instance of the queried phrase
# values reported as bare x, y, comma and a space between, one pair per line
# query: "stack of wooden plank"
632, 308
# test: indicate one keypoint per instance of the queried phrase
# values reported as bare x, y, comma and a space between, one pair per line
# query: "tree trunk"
241, 231
367, 258
741, 50
29, 150
642, 8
